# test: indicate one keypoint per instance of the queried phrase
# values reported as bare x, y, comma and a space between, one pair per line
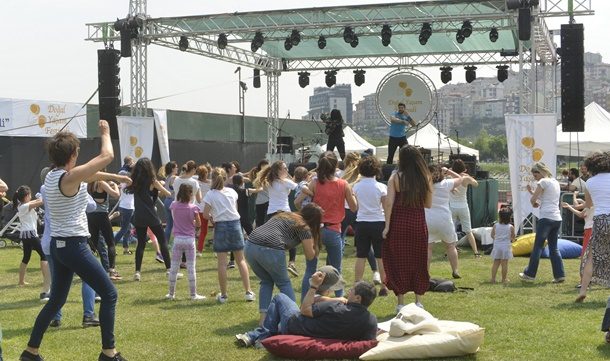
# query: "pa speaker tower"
109, 87
572, 78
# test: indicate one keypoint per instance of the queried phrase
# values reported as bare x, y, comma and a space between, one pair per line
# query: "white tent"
594, 138
354, 142
428, 137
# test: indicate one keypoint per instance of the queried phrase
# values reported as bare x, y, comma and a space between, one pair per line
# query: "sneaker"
55, 323
98, 299
420, 305
137, 277
292, 269
117, 357
559, 280
179, 275
197, 297
159, 258
28, 356
250, 296
242, 340
200, 254
231, 264
127, 252
169, 296
455, 275
44, 297
90, 321
222, 298
526, 278
376, 278
115, 276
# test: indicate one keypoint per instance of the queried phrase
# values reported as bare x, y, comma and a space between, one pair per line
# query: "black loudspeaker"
470, 161
109, 87
387, 170
572, 78
256, 81
427, 154
525, 23
284, 145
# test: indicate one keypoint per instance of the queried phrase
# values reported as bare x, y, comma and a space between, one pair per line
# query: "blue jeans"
124, 233
169, 219
87, 294
72, 255
310, 269
548, 230
269, 265
350, 220
280, 310
334, 256
103, 252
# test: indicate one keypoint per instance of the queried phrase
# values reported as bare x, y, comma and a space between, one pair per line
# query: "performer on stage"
334, 130
398, 131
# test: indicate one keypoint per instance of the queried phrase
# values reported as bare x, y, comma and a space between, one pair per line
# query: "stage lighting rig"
331, 78
386, 35
354, 42
303, 79
471, 73
466, 28
222, 41
493, 34
446, 74
257, 41
295, 37
425, 33
502, 72
359, 77
459, 36
183, 44
348, 34
287, 44
321, 42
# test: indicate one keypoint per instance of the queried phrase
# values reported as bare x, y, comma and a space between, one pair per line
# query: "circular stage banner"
411, 87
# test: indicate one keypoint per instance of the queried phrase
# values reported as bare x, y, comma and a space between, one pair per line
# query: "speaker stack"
470, 161
572, 78
284, 145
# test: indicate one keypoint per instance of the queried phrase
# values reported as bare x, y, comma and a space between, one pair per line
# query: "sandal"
477, 255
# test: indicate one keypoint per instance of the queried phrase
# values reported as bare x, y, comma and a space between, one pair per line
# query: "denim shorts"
228, 236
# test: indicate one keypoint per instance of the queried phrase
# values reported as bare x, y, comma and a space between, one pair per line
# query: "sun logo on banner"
35, 110
137, 151
405, 87
529, 143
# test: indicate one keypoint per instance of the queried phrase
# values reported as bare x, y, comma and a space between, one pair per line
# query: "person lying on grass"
334, 318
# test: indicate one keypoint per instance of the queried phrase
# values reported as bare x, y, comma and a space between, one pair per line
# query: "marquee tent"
354, 142
428, 137
595, 137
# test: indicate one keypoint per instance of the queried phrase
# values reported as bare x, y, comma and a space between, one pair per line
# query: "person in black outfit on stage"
334, 130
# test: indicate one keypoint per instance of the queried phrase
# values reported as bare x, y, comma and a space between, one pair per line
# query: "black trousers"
336, 143
393, 143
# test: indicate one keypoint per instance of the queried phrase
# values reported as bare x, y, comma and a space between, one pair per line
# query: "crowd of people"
395, 226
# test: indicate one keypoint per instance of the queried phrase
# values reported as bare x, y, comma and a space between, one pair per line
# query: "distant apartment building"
366, 112
325, 99
488, 108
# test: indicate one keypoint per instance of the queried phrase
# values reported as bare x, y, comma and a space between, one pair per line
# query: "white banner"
136, 136
162, 138
33, 118
530, 138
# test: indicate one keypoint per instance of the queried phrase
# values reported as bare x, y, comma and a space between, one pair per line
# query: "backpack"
443, 285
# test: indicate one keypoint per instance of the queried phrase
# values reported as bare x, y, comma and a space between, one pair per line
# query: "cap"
332, 279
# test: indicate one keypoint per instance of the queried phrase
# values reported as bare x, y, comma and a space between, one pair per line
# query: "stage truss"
405, 19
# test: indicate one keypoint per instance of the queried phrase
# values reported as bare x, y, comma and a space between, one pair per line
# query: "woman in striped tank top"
66, 202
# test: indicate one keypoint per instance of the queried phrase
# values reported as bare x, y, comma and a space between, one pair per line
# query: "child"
221, 206
581, 211
186, 216
28, 219
503, 234
301, 177
242, 202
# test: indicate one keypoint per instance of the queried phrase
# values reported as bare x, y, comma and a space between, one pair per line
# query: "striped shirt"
279, 233
67, 214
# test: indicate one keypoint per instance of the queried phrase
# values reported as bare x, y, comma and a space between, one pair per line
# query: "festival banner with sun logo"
136, 136
530, 138
33, 118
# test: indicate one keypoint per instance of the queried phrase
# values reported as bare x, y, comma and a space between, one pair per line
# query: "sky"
45, 56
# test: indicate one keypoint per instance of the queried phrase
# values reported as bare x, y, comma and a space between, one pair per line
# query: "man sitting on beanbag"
345, 319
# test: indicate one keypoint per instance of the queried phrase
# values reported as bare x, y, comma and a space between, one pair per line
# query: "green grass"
522, 321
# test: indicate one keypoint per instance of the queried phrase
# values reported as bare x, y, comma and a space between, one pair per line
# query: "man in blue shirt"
398, 131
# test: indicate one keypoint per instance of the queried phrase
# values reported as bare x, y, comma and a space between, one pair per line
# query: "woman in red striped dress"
405, 250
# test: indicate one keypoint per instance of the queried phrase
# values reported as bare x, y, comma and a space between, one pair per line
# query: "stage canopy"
428, 137
594, 138
354, 142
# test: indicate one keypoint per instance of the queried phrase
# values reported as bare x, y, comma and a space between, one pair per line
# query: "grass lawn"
523, 321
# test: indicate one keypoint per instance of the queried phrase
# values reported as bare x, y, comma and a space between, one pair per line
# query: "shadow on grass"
236, 328
604, 350
17, 305
591, 305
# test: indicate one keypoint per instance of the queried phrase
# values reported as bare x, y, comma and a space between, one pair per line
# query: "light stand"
242, 87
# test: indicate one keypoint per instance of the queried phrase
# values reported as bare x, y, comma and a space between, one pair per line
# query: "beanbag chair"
568, 249
311, 348
524, 245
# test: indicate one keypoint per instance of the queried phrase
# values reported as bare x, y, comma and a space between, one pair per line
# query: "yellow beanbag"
524, 245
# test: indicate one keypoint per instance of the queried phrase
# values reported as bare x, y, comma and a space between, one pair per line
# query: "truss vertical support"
273, 109
138, 62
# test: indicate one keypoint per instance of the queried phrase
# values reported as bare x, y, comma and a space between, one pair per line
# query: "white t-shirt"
27, 217
223, 203
369, 193
457, 198
190, 181
580, 184
204, 187
278, 195
440, 197
599, 190
126, 200
549, 200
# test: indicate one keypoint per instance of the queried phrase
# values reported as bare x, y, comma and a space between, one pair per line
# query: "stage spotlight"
471, 73
321, 42
303, 79
466, 28
359, 77
446, 74
295, 37
348, 34
222, 41
459, 36
502, 72
288, 44
257, 41
493, 34
183, 44
386, 35
331, 78
425, 33
354, 42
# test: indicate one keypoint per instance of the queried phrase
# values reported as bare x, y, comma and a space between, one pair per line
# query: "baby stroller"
10, 226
